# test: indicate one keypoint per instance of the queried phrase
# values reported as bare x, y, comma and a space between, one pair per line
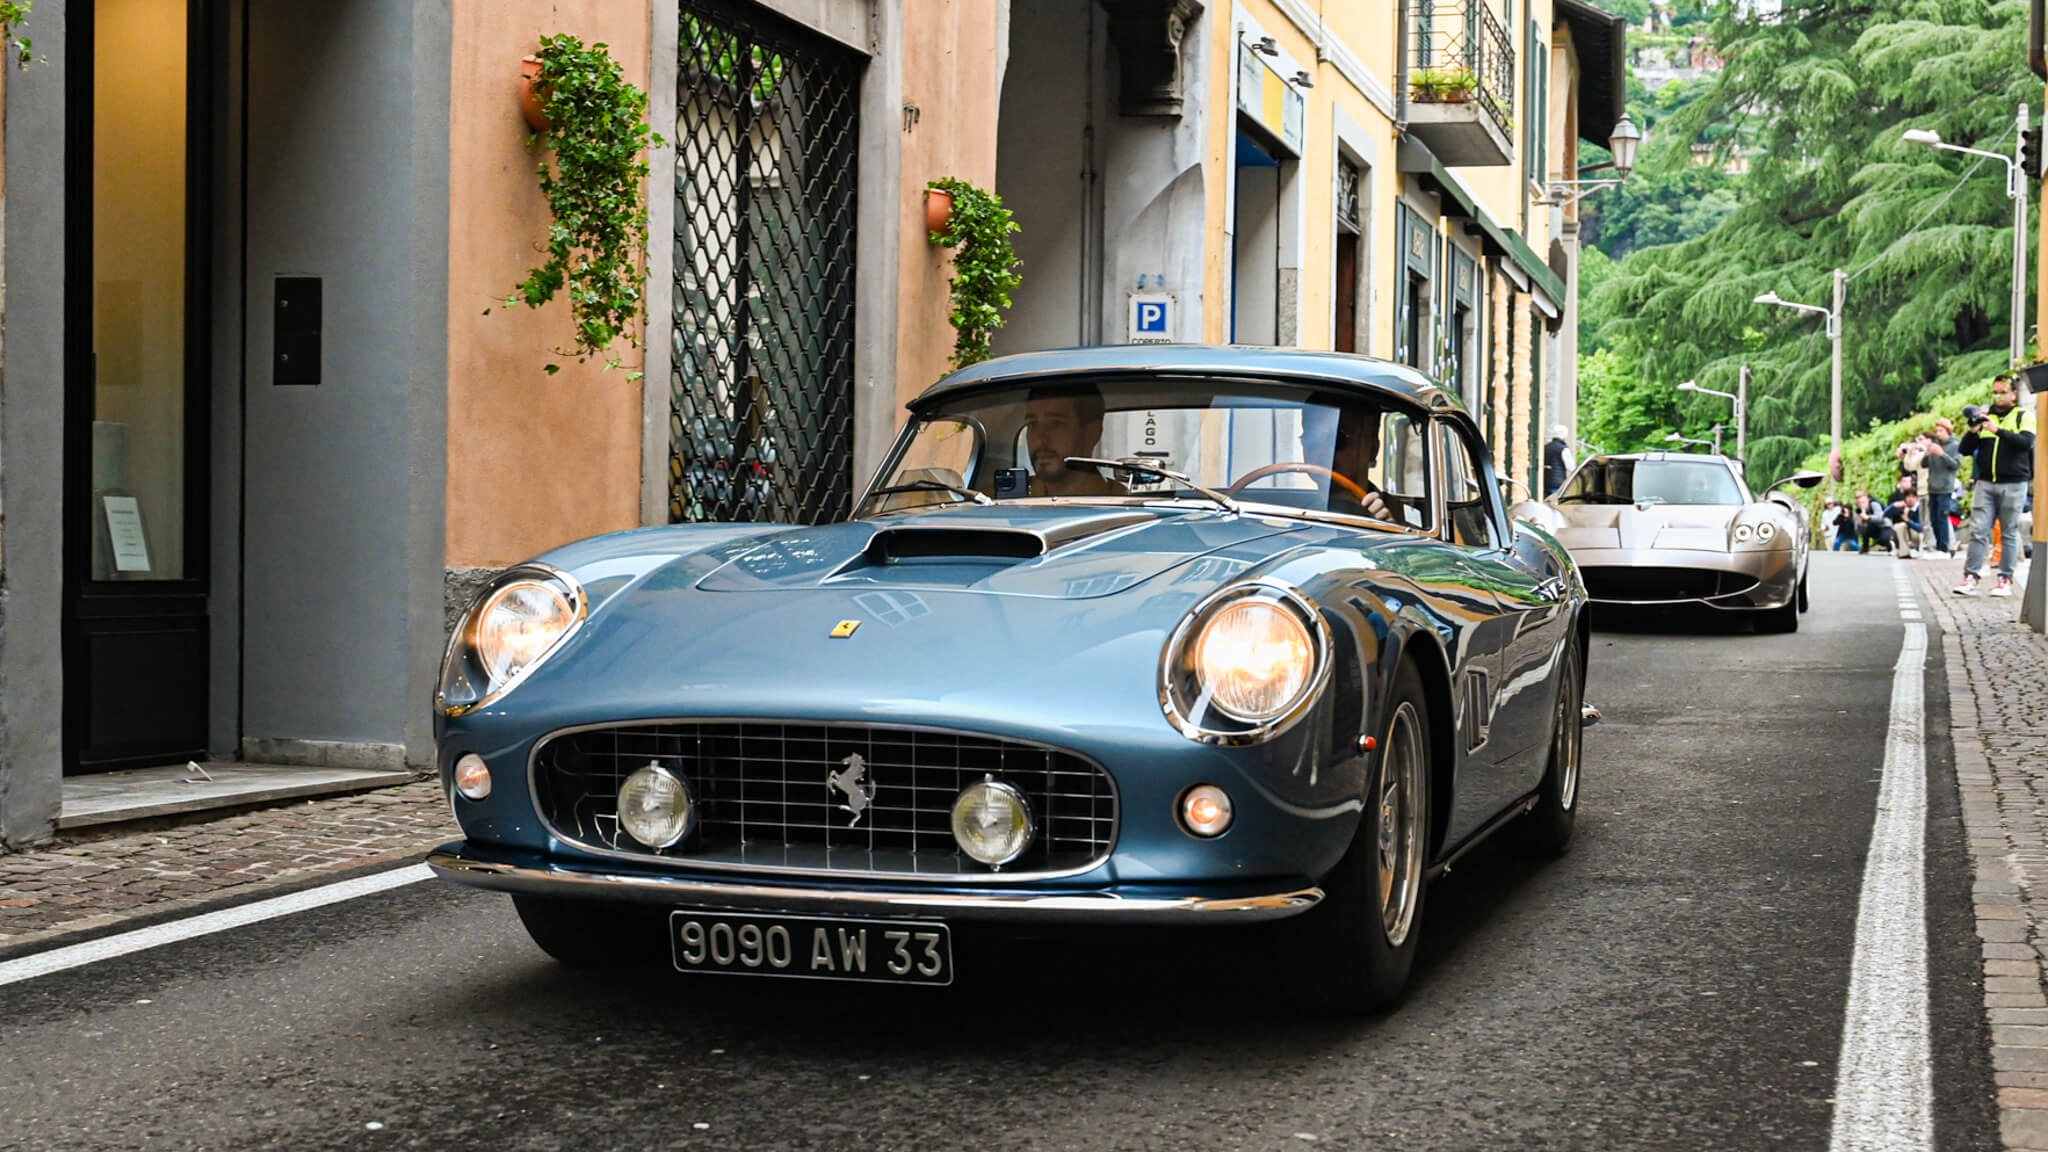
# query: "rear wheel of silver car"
1365, 930
1547, 828
588, 933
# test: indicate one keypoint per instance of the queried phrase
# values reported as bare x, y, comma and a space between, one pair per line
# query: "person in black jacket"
2002, 453
1557, 459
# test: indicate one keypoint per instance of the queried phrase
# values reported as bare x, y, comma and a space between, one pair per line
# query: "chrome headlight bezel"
468, 681
1188, 703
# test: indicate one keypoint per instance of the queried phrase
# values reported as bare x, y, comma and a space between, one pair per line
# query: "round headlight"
655, 807
992, 823
472, 776
517, 626
1743, 532
1254, 659
1765, 531
1205, 810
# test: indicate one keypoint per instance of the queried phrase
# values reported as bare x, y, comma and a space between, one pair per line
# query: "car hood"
1061, 553
838, 621
1635, 527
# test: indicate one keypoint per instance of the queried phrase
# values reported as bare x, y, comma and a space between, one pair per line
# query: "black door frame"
108, 608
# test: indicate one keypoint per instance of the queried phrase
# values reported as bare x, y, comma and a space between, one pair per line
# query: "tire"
1784, 618
1361, 939
589, 933
1546, 830
1804, 603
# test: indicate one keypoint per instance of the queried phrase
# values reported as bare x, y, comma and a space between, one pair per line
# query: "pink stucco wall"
533, 460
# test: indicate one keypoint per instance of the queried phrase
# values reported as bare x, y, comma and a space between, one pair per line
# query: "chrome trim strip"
503, 877
533, 792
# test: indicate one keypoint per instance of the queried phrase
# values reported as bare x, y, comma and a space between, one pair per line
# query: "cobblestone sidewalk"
92, 880
1999, 721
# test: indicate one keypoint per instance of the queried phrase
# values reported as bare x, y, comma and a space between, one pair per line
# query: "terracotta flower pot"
529, 98
938, 210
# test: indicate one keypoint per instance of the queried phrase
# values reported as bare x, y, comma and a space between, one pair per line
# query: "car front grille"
1654, 585
766, 800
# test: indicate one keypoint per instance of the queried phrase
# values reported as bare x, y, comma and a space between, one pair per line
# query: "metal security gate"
761, 394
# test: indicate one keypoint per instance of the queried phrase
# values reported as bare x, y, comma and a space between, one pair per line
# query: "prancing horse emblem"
860, 793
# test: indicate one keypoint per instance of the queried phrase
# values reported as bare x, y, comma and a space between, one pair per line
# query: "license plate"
812, 947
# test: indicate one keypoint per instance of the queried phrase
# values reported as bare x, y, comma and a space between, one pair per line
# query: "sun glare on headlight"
1254, 659
517, 626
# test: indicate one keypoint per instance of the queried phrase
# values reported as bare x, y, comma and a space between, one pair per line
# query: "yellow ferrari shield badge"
844, 628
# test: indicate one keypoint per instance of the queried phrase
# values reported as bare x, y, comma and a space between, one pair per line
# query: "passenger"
1062, 424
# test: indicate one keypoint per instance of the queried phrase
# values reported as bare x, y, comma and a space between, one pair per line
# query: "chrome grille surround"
766, 803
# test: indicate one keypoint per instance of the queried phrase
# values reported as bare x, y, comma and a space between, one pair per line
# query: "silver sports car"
1658, 529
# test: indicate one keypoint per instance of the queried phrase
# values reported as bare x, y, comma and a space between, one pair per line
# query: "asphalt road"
1677, 981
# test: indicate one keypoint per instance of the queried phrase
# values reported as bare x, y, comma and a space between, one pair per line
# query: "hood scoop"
895, 545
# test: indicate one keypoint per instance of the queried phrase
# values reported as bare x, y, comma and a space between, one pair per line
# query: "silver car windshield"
1265, 445
1652, 482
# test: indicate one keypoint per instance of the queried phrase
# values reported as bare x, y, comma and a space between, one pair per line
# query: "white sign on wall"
124, 530
1152, 318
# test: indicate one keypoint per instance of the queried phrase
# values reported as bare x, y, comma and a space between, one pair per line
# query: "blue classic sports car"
1188, 635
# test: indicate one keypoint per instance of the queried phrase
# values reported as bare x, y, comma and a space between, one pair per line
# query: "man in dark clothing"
2002, 452
1557, 460
1943, 460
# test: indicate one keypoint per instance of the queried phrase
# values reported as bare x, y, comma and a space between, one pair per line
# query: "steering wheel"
1264, 470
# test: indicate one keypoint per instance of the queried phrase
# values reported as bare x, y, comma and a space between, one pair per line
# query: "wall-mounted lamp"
1266, 45
1622, 144
1304, 80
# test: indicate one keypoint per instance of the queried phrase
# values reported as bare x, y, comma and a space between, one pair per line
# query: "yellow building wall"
950, 55
533, 460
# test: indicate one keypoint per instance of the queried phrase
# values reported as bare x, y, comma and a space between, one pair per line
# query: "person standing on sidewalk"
1943, 460
2003, 466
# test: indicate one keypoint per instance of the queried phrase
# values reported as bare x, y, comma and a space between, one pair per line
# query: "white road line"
108, 947
1883, 1090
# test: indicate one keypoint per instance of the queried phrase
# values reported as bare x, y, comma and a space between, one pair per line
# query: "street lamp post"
1675, 438
1741, 400
1834, 318
2016, 188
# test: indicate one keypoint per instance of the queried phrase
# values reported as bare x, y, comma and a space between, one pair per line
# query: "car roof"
1364, 374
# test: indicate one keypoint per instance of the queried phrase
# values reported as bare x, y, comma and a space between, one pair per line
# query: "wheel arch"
1434, 669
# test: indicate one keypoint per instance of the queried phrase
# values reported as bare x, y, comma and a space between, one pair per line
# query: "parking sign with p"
1151, 317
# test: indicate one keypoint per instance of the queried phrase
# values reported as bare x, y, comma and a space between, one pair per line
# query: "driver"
1357, 452
1059, 425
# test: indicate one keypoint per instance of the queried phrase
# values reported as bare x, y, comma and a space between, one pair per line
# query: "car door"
1518, 640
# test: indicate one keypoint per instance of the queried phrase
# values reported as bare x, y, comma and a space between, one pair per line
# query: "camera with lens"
1974, 416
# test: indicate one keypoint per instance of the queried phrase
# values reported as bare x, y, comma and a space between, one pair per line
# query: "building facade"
266, 419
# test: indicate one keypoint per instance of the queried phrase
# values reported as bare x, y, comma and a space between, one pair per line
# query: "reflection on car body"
1283, 658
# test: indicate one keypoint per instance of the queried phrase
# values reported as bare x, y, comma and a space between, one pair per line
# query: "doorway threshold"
174, 789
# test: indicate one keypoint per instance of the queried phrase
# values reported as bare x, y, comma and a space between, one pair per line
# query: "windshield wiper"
1140, 468
931, 486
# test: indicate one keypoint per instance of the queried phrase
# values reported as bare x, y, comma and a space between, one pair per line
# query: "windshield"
1652, 482
1269, 445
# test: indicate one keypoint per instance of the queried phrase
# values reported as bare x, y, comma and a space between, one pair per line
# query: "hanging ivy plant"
984, 266
593, 175
13, 12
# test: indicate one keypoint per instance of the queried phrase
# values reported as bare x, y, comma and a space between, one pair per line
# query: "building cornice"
1338, 54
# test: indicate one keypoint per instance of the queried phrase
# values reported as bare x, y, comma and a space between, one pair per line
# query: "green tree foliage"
13, 14
1620, 412
1823, 92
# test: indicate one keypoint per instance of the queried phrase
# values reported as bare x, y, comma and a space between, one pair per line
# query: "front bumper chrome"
529, 874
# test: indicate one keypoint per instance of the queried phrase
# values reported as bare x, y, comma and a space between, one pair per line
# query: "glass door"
136, 642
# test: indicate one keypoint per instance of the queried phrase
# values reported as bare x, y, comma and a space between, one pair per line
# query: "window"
1468, 512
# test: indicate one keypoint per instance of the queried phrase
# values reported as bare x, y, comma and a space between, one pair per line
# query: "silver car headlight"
1744, 533
1761, 534
1244, 663
521, 619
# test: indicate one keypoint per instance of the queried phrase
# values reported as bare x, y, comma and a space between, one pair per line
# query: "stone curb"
2008, 841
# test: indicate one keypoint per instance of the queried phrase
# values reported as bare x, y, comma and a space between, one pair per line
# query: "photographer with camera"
1942, 459
2003, 466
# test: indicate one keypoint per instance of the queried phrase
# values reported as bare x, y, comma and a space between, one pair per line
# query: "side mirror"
1508, 484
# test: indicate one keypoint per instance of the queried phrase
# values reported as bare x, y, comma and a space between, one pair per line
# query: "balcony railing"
1459, 53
